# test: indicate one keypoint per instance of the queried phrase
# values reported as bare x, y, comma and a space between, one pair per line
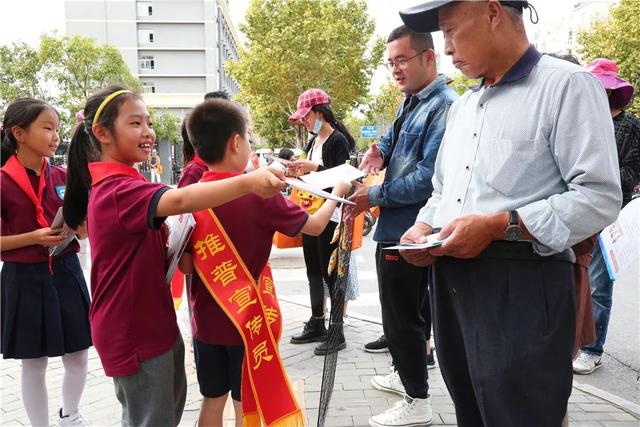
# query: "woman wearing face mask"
329, 147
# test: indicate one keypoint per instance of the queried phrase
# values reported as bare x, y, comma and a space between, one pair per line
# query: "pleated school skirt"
44, 314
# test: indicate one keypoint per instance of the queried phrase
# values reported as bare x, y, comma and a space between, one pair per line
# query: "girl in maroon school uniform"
45, 302
133, 323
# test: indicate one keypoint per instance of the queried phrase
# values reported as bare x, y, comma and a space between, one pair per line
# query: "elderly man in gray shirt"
527, 168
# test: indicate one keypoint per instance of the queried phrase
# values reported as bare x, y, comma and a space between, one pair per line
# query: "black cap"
423, 18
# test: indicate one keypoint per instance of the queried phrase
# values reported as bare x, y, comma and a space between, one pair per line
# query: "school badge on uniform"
60, 189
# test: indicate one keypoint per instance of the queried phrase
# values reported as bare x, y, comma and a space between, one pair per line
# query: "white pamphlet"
330, 177
58, 222
432, 241
180, 229
620, 242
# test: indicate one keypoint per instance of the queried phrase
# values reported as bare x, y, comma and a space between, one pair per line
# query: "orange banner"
267, 398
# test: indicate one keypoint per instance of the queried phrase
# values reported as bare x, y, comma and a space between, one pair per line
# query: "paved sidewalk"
354, 399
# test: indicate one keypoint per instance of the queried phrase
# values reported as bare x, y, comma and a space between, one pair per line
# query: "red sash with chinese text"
267, 398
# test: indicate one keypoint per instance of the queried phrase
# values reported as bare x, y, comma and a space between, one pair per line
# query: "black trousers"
504, 330
403, 289
317, 251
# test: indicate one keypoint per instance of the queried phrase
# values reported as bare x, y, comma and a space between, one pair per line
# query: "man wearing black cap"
527, 168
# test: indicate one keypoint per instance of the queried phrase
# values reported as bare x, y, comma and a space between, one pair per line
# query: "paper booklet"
296, 183
180, 229
433, 240
620, 241
58, 222
330, 177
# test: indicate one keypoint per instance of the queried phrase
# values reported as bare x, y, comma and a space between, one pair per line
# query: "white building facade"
177, 48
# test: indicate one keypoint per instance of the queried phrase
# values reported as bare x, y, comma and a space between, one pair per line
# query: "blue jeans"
602, 298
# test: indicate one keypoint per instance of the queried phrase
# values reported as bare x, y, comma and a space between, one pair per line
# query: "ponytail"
20, 113
330, 118
85, 148
82, 151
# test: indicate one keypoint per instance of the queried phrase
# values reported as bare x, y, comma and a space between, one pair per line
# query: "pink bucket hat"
606, 71
308, 99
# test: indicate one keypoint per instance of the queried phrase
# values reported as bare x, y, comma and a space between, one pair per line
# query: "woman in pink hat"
627, 130
330, 146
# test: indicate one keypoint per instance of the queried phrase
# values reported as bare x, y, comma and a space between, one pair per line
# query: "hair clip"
80, 116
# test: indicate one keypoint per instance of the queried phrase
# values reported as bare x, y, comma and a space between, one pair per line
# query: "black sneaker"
431, 359
377, 346
313, 331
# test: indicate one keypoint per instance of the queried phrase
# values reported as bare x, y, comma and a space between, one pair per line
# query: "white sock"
74, 380
34, 391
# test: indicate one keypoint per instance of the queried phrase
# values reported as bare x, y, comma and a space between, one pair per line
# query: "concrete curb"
626, 405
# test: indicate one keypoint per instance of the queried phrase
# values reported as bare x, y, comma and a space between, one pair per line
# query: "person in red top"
133, 323
45, 302
219, 133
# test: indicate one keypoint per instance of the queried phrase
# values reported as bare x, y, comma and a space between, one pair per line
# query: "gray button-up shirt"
541, 142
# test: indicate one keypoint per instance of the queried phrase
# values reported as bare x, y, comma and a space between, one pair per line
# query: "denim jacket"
410, 162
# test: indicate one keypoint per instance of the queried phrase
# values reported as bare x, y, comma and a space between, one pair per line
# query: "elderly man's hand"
417, 234
469, 235
361, 199
372, 161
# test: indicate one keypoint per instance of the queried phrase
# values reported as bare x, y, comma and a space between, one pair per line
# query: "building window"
145, 8
147, 62
148, 87
145, 36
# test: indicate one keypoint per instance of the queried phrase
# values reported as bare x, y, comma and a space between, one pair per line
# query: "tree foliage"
384, 106
166, 126
617, 38
297, 44
74, 64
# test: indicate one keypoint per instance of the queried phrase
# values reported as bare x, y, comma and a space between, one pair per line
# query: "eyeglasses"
402, 63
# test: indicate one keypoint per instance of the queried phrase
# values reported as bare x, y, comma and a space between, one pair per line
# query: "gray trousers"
155, 395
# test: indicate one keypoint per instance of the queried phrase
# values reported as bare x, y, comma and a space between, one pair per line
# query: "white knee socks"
75, 378
34, 391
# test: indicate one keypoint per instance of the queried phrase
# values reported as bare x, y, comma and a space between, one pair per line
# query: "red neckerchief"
217, 176
17, 172
196, 159
102, 170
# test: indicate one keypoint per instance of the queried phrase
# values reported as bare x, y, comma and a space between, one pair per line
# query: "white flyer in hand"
432, 241
315, 191
180, 229
330, 177
620, 241
58, 222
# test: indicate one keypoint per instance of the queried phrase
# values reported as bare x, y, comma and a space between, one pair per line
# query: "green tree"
383, 108
462, 83
20, 74
166, 126
616, 38
297, 44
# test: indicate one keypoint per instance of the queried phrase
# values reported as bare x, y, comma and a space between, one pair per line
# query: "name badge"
60, 189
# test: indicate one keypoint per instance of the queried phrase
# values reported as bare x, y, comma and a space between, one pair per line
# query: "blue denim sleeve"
384, 145
415, 186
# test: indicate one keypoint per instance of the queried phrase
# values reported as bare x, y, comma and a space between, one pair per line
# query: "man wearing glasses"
408, 152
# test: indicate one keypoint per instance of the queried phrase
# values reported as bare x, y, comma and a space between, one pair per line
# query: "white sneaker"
586, 363
408, 413
391, 383
72, 420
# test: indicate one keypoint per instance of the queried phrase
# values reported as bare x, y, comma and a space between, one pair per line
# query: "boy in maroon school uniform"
218, 132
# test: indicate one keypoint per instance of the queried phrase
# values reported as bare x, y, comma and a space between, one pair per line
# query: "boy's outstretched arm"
204, 195
319, 220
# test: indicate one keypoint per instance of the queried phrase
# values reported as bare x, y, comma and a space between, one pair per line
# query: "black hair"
286, 153
85, 148
566, 57
187, 148
419, 41
21, 113
216, 94
211, 124
329, 117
